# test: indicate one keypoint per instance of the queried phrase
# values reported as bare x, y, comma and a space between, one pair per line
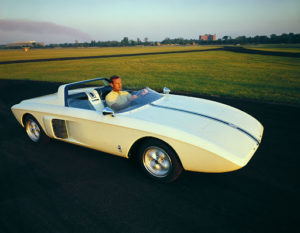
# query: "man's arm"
118, 107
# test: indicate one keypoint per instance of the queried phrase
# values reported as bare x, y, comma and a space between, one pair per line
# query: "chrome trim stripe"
211, 118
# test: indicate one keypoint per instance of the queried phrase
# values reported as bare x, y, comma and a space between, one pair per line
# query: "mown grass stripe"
105, 56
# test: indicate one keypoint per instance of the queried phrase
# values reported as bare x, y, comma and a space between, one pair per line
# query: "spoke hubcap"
33, 130
157, 161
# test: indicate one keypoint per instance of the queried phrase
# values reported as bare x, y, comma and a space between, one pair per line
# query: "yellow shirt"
117, 98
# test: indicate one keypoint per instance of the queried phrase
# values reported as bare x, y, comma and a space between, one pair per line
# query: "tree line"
124, 42
290, 38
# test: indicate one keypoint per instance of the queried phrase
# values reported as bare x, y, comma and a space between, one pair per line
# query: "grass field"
19, 54
292, 48
220, 73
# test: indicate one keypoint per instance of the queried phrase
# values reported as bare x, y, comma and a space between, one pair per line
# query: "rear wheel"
159, 161
34, 130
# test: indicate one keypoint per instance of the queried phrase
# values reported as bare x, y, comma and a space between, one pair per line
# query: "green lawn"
220, 73
19, 54
293, 48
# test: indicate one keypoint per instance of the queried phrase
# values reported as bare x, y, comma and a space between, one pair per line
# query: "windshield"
143, 99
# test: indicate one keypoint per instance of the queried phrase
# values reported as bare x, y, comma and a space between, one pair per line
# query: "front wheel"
34, 130
159, 161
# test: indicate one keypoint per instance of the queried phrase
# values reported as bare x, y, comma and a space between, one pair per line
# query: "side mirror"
166, 90
108, 111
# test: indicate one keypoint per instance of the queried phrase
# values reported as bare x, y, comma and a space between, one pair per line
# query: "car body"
174, 131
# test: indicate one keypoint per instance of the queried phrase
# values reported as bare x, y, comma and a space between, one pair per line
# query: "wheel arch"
25, 116
132, 154
43, 121
43, 138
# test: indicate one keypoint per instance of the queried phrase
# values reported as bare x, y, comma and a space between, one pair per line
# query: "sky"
59, 21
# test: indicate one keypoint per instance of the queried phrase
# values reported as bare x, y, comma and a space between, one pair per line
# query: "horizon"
91, 20
70, 42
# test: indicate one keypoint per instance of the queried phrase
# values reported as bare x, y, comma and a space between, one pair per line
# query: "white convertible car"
165, 133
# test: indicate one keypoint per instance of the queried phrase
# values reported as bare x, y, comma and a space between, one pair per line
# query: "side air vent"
59, 128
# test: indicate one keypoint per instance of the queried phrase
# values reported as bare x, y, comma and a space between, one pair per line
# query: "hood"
193, 115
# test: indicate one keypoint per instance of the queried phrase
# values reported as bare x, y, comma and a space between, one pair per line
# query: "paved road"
65, 188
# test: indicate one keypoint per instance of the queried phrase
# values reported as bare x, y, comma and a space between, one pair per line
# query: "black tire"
159, 161
34, 130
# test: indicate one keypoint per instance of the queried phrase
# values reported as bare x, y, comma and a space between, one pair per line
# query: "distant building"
25, 44
208, 37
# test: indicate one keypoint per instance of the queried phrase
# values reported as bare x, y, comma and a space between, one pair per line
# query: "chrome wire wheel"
33, 130
157, 162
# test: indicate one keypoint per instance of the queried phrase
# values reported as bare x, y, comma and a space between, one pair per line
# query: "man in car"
118, 99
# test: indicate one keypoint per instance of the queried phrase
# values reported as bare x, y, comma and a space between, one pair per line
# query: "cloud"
45, 31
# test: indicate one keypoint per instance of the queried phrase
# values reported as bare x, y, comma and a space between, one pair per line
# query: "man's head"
116, 83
